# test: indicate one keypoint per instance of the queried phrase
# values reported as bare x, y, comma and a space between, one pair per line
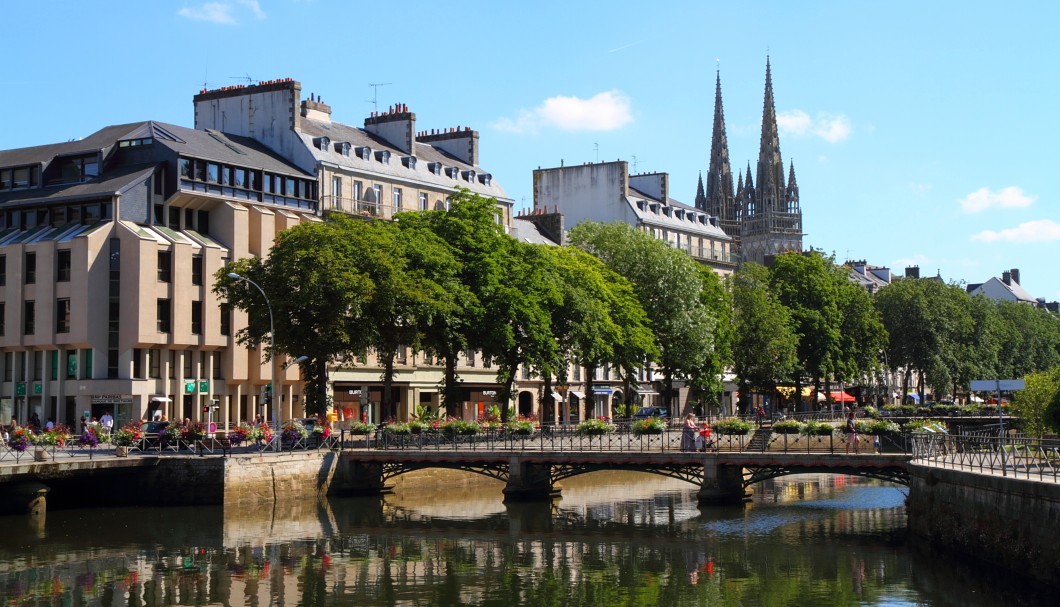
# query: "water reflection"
616, 538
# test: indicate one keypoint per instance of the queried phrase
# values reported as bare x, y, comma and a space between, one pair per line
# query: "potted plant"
522, 426
395, 428
362, 427
816, 428
19, 439
787, 426
595, 427
125, 438
732, 426
88, 438
293, 432
460, 427
240, 434
648, 425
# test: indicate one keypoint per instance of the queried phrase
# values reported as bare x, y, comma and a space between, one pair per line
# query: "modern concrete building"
605, 192
108, 246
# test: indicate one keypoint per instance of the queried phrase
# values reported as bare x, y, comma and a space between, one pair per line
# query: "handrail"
1016, 456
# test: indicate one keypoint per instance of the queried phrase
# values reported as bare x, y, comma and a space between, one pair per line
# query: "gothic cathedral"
763, 220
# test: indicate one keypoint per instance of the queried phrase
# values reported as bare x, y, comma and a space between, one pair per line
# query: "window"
239, 178
62, 266
217, 366
196, 317
226, 319
53, 364
358, 190
423, 202
29, 319
378, 189
3, 318
397, 199
3, 270
336, 190
174, 218
154, 363
188, 366
31, 268
62, 316
163, 315
138, 365
38, 365
186, 169
77, 169
196, 270
9, 365
71, 364
165, 266
212, 172
470, 356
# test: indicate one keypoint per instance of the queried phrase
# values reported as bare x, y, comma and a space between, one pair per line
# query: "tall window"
378, 189
189, 365
163, 315
397, 199
62, 316
217, 365
31, 268
138, 364
62, 266
336, 190
154, 363
71, 364
3, 270
226, 319
3, 318
358, 190
196, 270
29, 319
423, 201
196, 317
165, 266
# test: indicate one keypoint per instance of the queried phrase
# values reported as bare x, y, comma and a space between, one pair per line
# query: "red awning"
841, 397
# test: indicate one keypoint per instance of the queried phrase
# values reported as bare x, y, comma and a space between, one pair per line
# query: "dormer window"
323, 143
409, 161
654, 208
435, 167
485, 179
640, 205
18, 178
383, 156
343, 147
667, 211
364, 152
452, 172
680, 214
469, 176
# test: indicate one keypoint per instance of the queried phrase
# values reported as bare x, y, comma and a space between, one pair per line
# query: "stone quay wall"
1011, 524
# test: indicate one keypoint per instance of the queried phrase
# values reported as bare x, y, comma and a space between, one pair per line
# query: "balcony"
357, 207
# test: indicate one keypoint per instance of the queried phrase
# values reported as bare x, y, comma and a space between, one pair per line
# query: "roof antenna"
250, 81
596, 146
375, 94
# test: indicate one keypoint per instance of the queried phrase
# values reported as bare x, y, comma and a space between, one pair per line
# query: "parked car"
646, 412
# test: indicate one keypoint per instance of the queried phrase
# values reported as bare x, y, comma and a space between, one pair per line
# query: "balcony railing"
361, 207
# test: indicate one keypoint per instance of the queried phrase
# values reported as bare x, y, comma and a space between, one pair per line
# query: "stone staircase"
760, 440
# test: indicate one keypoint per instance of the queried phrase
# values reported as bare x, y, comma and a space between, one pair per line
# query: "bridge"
533, 467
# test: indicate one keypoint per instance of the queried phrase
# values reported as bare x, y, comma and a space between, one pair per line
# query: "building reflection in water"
613, 538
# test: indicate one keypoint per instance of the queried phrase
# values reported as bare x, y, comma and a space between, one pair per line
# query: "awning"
914, 396
576, 393
604, 391
646, 392
556, 396
841, 397
161, 399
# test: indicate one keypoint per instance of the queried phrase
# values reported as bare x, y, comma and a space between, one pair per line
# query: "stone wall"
1012, 524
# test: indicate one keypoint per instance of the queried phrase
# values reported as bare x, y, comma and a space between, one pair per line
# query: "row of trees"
448, 281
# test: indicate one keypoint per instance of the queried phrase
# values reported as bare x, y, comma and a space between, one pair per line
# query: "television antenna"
250, 81
375, 94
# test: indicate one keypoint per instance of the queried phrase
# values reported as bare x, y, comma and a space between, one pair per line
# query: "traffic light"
206, 408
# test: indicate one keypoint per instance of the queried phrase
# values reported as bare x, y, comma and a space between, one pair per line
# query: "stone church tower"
765, 220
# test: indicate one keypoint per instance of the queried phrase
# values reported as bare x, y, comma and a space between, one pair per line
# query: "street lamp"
277, 382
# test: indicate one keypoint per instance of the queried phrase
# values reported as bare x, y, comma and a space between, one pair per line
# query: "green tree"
862, 336
1032, 404
669, 285
764, 348
1030, 339
317, 287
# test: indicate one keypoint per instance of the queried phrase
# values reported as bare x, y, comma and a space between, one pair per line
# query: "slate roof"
113, 181
425, 154
688, 223
527, 231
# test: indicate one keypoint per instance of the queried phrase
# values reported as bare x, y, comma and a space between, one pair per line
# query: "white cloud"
832, 128
982, 199
220, 13
605, 111
1039, 230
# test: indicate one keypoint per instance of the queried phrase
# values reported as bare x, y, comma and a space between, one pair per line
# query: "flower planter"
40, 454
121, 451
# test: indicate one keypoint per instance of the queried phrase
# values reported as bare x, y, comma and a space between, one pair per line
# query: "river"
613, 539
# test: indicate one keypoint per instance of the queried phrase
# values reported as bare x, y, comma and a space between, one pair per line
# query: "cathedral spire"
720, 198
701, 198
770, 164
792, 198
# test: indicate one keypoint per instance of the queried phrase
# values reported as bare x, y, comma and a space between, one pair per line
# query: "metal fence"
1019, 457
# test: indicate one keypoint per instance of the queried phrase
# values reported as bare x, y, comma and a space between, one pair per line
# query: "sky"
918, 130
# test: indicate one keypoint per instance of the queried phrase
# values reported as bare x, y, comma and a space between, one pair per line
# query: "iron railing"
1019, 457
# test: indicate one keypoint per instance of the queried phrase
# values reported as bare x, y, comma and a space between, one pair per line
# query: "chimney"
1015, 274
912, 272
315, 109
396, 126
461, 142
1006, 277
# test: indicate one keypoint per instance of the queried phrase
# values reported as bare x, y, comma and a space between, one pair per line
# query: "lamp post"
564, 411
277, 382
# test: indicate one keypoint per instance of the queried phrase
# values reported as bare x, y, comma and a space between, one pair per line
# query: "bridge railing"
1020, 457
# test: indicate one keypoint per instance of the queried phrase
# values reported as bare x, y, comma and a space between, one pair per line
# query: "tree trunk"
505, 394
450, 389
388, 384
668, 388
590, 400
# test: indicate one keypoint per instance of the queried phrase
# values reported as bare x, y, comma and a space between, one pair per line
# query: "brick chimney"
1006, 277
461, 142
912, 272
315, 109
1015, 274
396, 126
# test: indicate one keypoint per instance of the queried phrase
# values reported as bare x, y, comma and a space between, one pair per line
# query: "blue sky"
919, 130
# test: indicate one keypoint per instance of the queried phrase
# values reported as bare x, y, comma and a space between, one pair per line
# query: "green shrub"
397, 429
522, 426
787, 426
924, 425
595, 427
460, 427
871, 411
816, 428
882, 427
733, 426
649, 425
362, 427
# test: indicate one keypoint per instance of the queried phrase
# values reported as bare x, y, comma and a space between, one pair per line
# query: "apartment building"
108, 246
